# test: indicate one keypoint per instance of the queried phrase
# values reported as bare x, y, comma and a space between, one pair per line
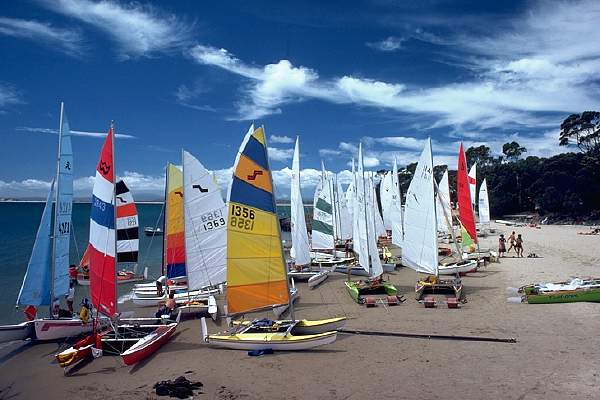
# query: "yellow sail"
256, 275
174, 255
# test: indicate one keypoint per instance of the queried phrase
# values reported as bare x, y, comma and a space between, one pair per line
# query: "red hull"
163, 334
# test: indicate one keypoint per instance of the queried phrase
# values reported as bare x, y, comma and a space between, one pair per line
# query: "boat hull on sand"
317, 279
355, 270
152, 301
577, 290
306, 326
22, 331
434, 285
47, 329
364, 288
462, 267
122, 278
273, 341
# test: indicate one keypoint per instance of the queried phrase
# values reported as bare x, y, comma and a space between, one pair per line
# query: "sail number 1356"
242, 217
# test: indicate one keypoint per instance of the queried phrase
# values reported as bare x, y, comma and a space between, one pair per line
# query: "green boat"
358, 289
576, 290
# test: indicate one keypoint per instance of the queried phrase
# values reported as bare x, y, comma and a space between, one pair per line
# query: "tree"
480, 155
513, 150
583, 130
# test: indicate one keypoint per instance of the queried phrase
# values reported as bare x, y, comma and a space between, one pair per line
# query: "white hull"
388, 267
53, 329
21, 331
317, 279
302, 275
275, 344
209, 308
354, 270
453, 269
150, 301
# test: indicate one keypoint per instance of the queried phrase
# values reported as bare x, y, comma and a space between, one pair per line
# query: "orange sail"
256, 271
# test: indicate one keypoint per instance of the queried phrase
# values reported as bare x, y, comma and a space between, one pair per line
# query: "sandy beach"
557, 354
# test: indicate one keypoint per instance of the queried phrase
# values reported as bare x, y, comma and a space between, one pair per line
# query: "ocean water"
18, 227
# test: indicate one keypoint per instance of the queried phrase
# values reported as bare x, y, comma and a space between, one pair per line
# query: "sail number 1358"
241, 217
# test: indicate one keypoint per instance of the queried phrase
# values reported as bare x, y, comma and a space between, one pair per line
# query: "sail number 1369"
242, 217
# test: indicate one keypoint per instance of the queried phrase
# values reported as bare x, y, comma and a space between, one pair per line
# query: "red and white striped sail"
464, 196
102, 246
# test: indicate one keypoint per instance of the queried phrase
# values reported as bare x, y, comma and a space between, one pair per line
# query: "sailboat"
127, 241
300, 252
47, 278
443, 207
256, 271
472, 179
365, 242
132, 339
484, 208
195, 242
420, 248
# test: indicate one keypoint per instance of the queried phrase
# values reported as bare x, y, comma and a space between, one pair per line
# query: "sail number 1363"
242, 217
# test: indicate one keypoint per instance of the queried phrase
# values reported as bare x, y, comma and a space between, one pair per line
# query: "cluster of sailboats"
211, 247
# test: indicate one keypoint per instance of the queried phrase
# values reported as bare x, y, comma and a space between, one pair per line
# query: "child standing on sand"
501, 245
519, 246
511, 241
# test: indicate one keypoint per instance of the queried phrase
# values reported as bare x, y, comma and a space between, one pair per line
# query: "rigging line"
75, 239
147, 252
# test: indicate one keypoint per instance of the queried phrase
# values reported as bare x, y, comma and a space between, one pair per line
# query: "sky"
195, 75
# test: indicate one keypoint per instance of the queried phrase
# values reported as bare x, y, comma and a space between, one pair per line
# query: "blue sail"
64, 205
36, 284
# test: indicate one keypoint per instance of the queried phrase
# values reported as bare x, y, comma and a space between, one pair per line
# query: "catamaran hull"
565, 296
149, 344
388, 267
354, 270
356, 291
453, 269
317, 279
54, 329
292, 343
194, 307
120, 280
302, 275
307, 326
22, 331
152, 301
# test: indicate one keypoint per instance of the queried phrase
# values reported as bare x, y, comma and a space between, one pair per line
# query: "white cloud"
99, 135
139, 30
389, 44
276, 154
68, 41
326, 153
8, 95
529, 74
280, 139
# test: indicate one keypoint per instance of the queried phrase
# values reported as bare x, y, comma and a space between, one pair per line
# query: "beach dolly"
452, 302
429, 302
370, 301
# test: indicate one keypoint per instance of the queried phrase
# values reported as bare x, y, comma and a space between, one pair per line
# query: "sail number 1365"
242, 217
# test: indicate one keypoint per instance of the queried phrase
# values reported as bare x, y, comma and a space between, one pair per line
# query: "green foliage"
582, 130
513, 150
481, 155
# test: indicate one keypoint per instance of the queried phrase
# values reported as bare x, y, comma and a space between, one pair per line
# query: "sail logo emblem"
121, 199
104, 168
179, 193
68, 165
254, 175
200, 188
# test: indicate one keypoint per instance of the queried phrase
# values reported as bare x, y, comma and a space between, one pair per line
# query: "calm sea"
18, 229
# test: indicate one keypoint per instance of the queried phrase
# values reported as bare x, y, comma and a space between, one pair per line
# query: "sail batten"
205, 226
256, 272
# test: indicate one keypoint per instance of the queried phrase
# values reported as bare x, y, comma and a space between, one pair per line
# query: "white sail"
344, 214
205, 226
386, 191
420, 249
300, 251
322, 225
396, 209
379, 226
375, 229
444, 209
484, 204
473, 184
350, 199
365, 223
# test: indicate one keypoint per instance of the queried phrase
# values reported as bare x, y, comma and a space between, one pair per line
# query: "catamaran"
484, 208
128, 233
256, 270
195, 241
300, 251
47, 276
365, 242
574, 290
132, 339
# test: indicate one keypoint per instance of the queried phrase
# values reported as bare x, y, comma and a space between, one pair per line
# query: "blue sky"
194, 75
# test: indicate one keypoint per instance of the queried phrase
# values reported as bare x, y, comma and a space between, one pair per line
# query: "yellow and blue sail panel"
256, 276
174, 228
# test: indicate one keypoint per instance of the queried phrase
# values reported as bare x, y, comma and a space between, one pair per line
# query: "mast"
373, 211
166, 208
114, 200
433, 183
361, 162
56, 194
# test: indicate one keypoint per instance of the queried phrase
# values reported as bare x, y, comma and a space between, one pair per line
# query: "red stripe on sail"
105, 165
471, 180
464, 195
127, 210
102, 282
